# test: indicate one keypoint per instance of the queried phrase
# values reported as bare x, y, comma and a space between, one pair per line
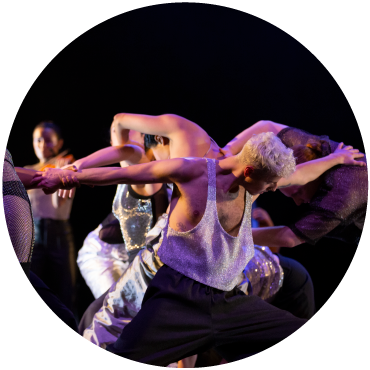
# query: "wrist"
337, 158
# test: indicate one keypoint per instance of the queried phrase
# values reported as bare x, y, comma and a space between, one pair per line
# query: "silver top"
135, 217
207, 253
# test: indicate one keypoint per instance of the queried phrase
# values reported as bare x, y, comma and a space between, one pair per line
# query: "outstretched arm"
310, 171
236, 144
131, 154
26, 175
172, 170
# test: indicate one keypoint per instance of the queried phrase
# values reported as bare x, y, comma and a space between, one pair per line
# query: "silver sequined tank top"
207, 253
135, 217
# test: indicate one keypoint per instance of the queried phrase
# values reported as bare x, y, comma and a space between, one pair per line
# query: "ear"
158, 139
248, 171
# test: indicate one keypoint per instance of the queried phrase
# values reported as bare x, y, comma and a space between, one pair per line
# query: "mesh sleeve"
18, 213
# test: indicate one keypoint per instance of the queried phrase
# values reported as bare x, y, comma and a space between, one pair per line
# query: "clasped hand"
53, 179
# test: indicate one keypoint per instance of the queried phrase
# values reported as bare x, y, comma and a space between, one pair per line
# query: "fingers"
340, 145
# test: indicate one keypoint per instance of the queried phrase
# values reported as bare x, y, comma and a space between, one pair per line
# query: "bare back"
189, 200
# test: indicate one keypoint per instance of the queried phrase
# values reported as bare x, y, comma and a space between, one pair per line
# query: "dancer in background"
53, 258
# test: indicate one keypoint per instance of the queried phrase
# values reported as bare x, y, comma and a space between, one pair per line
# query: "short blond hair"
266, 152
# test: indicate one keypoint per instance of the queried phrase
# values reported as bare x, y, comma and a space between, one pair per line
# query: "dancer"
19, 220
54, 252
336, 202
136, 209
196, 267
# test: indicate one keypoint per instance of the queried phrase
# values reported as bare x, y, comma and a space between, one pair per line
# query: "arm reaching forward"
172, 170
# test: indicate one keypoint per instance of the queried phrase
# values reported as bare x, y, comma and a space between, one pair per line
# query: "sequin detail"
135, 217
207, 253
264, 273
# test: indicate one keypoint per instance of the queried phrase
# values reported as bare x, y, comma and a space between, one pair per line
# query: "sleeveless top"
207, 253
137, 214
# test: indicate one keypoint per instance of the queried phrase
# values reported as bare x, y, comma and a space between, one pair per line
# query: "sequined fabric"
264, 273
18, 212
135, 217
207, 253
338, 208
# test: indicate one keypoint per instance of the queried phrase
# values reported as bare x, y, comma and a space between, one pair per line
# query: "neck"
232, 168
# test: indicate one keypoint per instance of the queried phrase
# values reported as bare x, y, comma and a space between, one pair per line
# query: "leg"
296, 295
173, 323
245, 325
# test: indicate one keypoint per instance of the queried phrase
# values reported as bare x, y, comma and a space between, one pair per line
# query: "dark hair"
51, 125
312, 150
149, 141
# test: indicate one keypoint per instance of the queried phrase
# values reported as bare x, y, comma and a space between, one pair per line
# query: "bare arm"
310, 171
236, 144
276, 236
173, 170
26, 175
164, 125
131, 154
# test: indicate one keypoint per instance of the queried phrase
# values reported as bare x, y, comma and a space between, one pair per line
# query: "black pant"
181, 317
53, 258
297, 294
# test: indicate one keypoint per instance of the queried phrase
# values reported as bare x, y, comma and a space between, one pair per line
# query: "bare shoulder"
192, 168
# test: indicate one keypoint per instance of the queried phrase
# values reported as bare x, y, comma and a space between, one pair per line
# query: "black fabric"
338, 208
297, 293
54, 259
53, 302
111, 232
181, 317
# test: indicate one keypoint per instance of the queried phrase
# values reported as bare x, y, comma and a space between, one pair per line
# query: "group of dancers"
178, 274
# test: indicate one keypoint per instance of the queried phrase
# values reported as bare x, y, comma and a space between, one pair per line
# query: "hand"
263, 218
53, 179
347, 155
226, 152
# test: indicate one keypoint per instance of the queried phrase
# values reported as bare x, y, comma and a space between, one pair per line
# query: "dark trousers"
181, 317
53, 258
297, 294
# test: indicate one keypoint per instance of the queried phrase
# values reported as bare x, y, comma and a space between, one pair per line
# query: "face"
261, 184
302, 194
46, 143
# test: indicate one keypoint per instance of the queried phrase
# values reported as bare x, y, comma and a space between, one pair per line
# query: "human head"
266, 160
304, 153
47, 140
160, 146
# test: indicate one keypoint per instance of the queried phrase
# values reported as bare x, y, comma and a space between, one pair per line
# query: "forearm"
26, 175
310, 171
164, 125
106, 156
236, 145
277, 236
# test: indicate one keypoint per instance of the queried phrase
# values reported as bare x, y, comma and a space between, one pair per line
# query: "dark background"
221, 68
